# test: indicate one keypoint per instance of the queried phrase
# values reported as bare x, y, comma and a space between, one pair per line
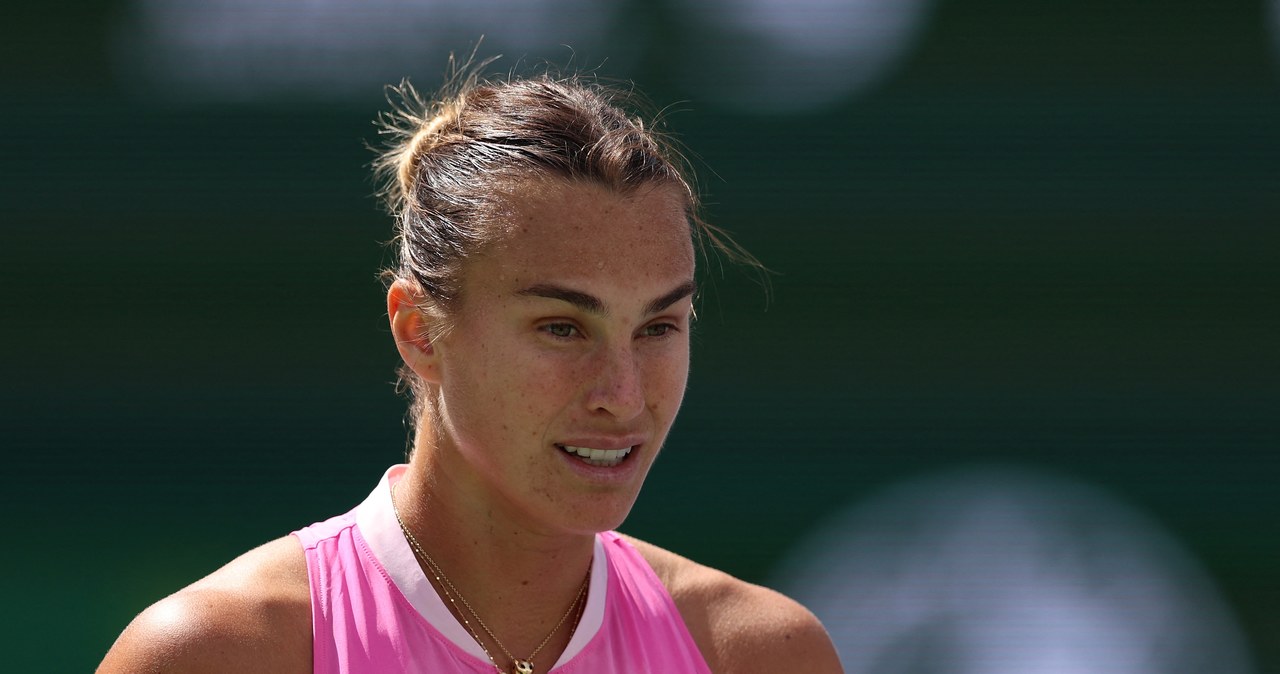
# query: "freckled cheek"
665, 384
545, 382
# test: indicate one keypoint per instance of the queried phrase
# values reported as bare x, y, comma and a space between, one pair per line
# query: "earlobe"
411, 327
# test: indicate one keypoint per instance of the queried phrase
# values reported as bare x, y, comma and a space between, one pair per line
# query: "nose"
618, 387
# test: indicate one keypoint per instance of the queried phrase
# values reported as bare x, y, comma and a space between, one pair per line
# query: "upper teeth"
598, 454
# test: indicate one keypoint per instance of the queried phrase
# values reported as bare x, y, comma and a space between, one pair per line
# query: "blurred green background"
1044, 234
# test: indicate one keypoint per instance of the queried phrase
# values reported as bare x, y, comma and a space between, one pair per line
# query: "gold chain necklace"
518, 666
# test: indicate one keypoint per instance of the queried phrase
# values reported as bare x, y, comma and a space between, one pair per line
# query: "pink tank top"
373, 610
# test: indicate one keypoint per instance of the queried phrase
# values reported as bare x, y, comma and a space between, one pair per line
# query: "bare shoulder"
252, 615
742, 628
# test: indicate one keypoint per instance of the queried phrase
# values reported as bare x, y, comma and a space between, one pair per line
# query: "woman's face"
568, 355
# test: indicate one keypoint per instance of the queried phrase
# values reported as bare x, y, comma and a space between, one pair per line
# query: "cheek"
667, 378
539, 386
487, 387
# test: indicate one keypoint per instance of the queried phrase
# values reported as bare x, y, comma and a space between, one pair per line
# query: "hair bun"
413, 127
426, 137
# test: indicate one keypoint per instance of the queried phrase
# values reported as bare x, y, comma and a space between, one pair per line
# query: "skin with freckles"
572, 329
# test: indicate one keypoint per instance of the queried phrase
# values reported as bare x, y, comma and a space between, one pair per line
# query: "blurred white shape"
1002, 571
252, 49
795, 55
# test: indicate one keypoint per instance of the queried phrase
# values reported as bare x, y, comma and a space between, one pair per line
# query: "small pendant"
522, 667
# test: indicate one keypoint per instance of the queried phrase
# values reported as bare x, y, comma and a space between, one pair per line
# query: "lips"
597, 457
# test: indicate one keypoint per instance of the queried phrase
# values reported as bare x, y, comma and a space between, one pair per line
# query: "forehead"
588, 233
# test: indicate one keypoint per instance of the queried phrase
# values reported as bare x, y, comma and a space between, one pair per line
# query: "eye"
560, 330
658, 330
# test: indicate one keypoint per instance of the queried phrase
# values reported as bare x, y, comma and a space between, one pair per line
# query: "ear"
411, 326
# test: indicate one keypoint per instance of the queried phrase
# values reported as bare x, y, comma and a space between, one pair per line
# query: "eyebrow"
686, 289
592, 304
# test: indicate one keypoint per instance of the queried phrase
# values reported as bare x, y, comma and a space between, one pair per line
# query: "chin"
593, 515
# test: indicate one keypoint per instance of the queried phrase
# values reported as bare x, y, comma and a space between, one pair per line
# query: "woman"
542, 308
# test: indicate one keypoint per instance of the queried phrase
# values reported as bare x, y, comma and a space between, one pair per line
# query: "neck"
518, 578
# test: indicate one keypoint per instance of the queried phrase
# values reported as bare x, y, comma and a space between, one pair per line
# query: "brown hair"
448, 160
